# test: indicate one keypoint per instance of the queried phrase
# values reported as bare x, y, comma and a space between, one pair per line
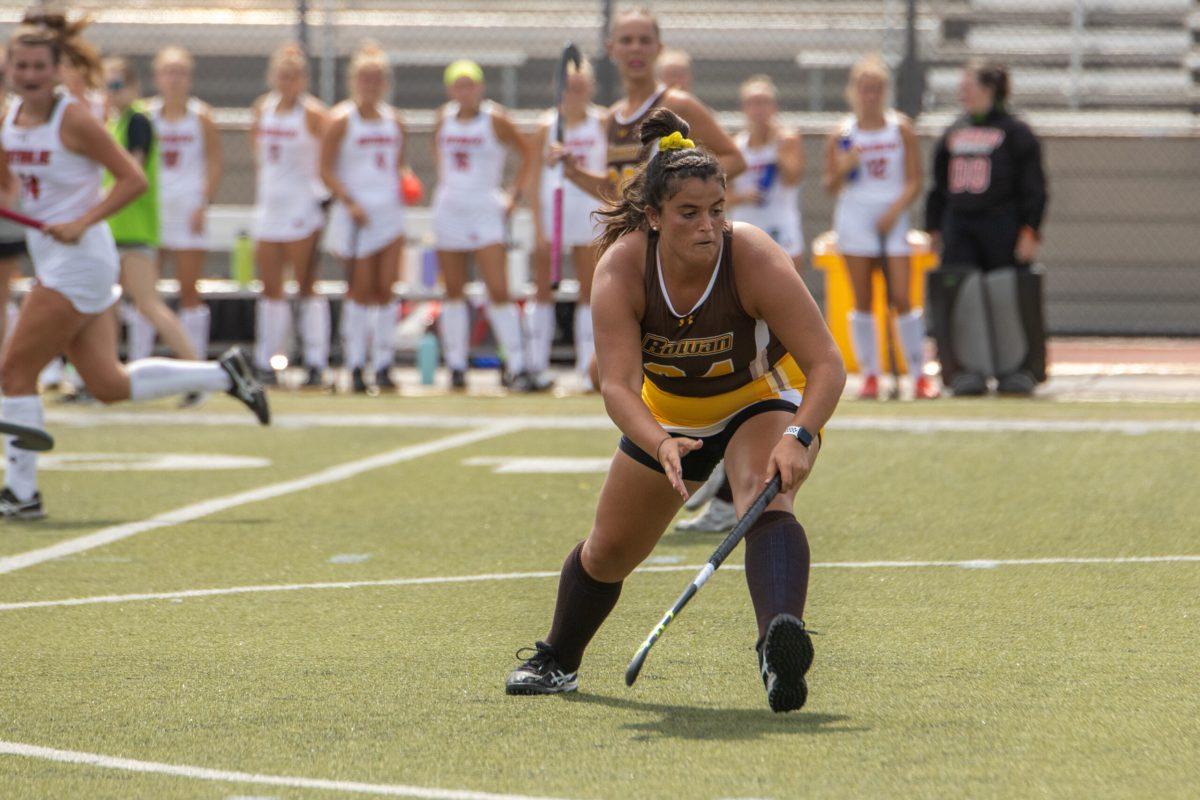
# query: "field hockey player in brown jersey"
709, 347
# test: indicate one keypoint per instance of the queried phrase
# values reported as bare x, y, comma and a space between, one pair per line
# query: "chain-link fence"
1111, 85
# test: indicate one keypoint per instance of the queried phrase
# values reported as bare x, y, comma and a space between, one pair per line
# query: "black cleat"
540, 673
1017, 384
12, 508
458, 379
358, 384
245, 387
785, 655
968, 384
521, 383
541, 382
314, 379
383, 381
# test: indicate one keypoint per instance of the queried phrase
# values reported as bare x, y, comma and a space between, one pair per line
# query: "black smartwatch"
802, 436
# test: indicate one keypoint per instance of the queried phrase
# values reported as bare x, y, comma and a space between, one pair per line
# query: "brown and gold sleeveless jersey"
623, 143
703, 365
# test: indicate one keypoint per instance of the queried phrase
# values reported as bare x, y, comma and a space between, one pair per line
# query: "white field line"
185, 594
204, 508
225, 776
600, 422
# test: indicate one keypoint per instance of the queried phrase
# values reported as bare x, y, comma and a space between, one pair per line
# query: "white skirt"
579, 227
782, 226
385, 224
175, 223
287, 219
854, 220
466, 225
86, 273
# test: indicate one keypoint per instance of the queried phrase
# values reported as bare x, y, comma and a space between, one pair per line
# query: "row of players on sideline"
355, 153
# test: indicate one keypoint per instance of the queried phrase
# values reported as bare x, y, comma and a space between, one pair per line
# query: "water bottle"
765, 181
846, 144
241, 267
427, 357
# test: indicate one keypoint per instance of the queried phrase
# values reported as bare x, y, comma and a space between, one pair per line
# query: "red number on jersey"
30, 186
877, 168
273, 152
170, 158
970, 174
380, 160
462, 161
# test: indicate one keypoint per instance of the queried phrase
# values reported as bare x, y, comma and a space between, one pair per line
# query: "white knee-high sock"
585, 347
506, 325
152, 378
354, 334
912, 335
272, 322
314, 331
10, 319
196, 321
140, 335
864, 338
383, 341
22, 464
455, 323
539, 335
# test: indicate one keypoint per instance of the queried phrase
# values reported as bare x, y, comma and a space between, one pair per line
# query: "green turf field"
994, 619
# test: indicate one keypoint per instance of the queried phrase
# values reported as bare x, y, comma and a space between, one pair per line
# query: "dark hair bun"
662, 122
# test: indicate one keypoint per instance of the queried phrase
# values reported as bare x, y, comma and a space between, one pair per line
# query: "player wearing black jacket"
989, 191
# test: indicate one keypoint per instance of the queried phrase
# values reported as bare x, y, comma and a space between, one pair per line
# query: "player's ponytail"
994, 76
668, 158
65, 39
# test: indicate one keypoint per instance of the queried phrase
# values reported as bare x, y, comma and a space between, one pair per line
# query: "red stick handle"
556, 235
21, 219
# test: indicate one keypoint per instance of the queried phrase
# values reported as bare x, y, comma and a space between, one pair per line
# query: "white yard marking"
227, 776
516, 576
349, 558
205, 508
600, 422
540, 465
147, 462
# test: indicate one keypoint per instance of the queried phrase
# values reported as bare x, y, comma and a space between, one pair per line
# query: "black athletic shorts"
12, 249
699, 464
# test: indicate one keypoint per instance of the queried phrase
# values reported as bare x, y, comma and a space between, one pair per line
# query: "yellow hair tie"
675, 142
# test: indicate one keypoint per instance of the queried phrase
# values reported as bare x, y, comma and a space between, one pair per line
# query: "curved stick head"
635, 666
27, 438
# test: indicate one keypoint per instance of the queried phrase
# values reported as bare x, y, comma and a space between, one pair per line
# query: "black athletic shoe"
12, 508
383, 380
785, 656
458, 379
968, 384
358, 384
1019, 384
542, 382
315, 379
245, 387
521, 383
540, 673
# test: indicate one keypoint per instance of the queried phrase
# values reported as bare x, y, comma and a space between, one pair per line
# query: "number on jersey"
970, 174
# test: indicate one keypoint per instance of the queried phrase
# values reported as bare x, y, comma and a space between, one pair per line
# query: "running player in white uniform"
873, 165
470, 213
56, 151
767, 194
189, 169
585, 144
286, 135
362, 163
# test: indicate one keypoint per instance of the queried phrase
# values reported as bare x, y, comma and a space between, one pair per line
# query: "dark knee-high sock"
725, 492
583, 605
777, 562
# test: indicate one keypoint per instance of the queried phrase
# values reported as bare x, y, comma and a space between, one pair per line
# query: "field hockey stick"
570, 55
715, 560
887, 318
27, 438
21, 219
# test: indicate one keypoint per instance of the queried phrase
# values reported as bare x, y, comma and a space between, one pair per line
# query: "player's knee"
16, 379
607, 558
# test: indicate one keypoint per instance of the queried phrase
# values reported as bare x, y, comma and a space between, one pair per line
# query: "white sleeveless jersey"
762, 170
587, 142
369, 156
182, 163
57, 185
470, 156
287, 153
880, 174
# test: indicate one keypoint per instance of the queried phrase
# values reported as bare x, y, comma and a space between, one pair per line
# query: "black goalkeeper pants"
986, 241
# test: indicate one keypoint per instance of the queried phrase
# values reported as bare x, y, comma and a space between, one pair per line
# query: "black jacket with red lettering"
988, 165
